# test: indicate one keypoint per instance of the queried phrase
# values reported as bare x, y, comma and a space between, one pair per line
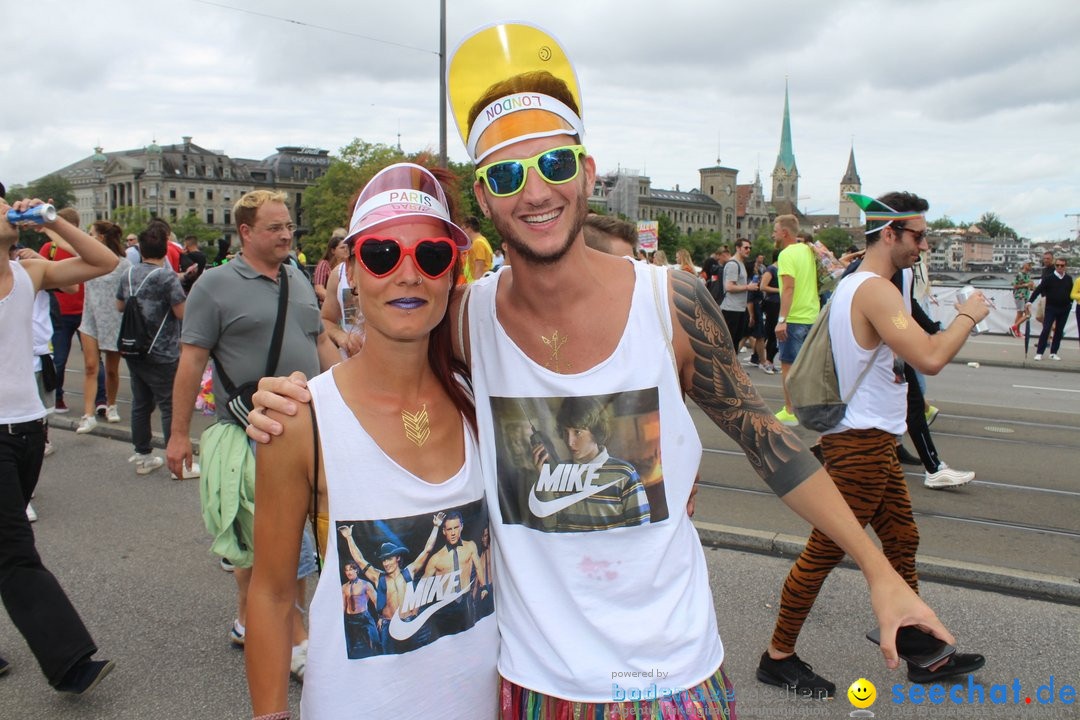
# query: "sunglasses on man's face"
557, 166
381, 256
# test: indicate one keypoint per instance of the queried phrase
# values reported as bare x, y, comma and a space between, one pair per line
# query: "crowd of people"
461, 423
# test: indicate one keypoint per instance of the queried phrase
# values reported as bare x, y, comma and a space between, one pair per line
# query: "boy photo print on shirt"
406, 582
580, 464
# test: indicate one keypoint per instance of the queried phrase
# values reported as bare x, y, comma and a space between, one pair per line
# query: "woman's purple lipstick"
407, 303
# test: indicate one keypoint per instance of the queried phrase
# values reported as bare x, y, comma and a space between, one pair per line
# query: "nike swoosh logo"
405, 629
544, 508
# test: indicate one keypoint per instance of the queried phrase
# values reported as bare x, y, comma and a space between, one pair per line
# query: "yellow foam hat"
499, 52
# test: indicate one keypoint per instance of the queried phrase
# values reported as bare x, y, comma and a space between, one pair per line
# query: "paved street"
1019, 429
131, 552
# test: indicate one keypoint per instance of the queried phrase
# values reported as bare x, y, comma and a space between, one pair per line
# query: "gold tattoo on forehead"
706, 325
555, 343
900, 321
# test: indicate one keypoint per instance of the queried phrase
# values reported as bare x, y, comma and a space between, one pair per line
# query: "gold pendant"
416, 426
555, 342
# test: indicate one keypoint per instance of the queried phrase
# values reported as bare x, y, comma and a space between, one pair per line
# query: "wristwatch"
781, 319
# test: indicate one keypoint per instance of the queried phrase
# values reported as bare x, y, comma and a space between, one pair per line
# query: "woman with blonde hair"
684, 261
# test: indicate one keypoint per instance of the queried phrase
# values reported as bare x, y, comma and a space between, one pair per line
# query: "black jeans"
63, 332
34, 600
151, 385
736, 322
772, 314
1054, 314
917, 428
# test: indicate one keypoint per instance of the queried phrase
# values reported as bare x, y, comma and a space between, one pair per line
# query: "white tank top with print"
587, 475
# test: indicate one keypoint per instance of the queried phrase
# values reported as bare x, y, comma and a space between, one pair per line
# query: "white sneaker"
1038, 356
946, 477
189, 473
1055, 356
88, 423
111, 414
299, 661
49, 449
30, 514
145, 464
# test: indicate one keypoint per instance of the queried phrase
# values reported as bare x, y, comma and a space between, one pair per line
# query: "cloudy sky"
972, 104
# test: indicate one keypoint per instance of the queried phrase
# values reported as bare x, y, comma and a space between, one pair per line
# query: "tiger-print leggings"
864, 466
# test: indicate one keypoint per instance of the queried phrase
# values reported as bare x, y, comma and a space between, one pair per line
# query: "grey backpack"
812, 381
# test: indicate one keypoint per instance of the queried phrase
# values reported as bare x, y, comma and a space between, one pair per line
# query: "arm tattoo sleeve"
723, 390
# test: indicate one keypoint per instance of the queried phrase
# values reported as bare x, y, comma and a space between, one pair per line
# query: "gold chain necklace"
555, 343
416, 425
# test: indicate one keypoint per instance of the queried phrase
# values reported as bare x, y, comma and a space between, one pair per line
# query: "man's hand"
540, 456
896, 604
975, 306
280, 394
28, 254
178, 454
351, 342
781, 331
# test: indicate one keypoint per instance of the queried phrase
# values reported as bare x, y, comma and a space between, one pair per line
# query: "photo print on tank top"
581, 463
408, 581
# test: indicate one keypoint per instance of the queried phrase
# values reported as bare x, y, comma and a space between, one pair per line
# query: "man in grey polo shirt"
736, 289
231, 313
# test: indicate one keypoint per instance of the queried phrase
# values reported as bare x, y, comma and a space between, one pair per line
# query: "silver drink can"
964, 293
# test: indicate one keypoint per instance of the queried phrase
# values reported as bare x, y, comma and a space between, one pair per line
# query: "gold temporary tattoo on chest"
900, 321
706, 325
555, 343
417, 427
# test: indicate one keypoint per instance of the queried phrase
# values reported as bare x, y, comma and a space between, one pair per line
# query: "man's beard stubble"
526, 254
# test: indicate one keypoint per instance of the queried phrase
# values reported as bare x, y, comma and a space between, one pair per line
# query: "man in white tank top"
36, 603
559, 314
869, 322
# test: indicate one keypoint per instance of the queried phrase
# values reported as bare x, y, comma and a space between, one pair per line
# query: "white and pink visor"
400, 191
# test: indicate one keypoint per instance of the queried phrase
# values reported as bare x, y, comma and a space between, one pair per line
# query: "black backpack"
134, 339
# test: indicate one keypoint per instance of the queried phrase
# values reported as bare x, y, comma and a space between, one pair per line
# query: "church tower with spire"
849, 216
785, 175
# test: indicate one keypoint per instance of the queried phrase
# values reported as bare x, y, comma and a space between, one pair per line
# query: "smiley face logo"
862, 693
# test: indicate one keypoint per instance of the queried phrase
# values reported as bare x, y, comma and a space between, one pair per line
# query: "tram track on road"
1005, 525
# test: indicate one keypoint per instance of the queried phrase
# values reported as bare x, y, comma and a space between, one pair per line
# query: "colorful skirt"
713, 699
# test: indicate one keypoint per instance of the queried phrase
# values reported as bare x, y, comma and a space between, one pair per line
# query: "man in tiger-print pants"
869, 322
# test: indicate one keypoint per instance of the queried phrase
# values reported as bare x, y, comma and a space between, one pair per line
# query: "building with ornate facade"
175, 180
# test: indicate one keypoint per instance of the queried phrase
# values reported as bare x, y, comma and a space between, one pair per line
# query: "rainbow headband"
875, 210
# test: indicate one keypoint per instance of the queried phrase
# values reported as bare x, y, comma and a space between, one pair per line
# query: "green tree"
326, 203
131, 219
994, 226
837, 240
942, 223
53, 187
192, 224
669, 235
470, 206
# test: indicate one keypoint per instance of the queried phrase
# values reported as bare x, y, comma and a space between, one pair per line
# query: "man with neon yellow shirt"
478, 258
799, 304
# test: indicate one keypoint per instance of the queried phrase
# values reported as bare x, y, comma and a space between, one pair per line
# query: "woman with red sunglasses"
388, 462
